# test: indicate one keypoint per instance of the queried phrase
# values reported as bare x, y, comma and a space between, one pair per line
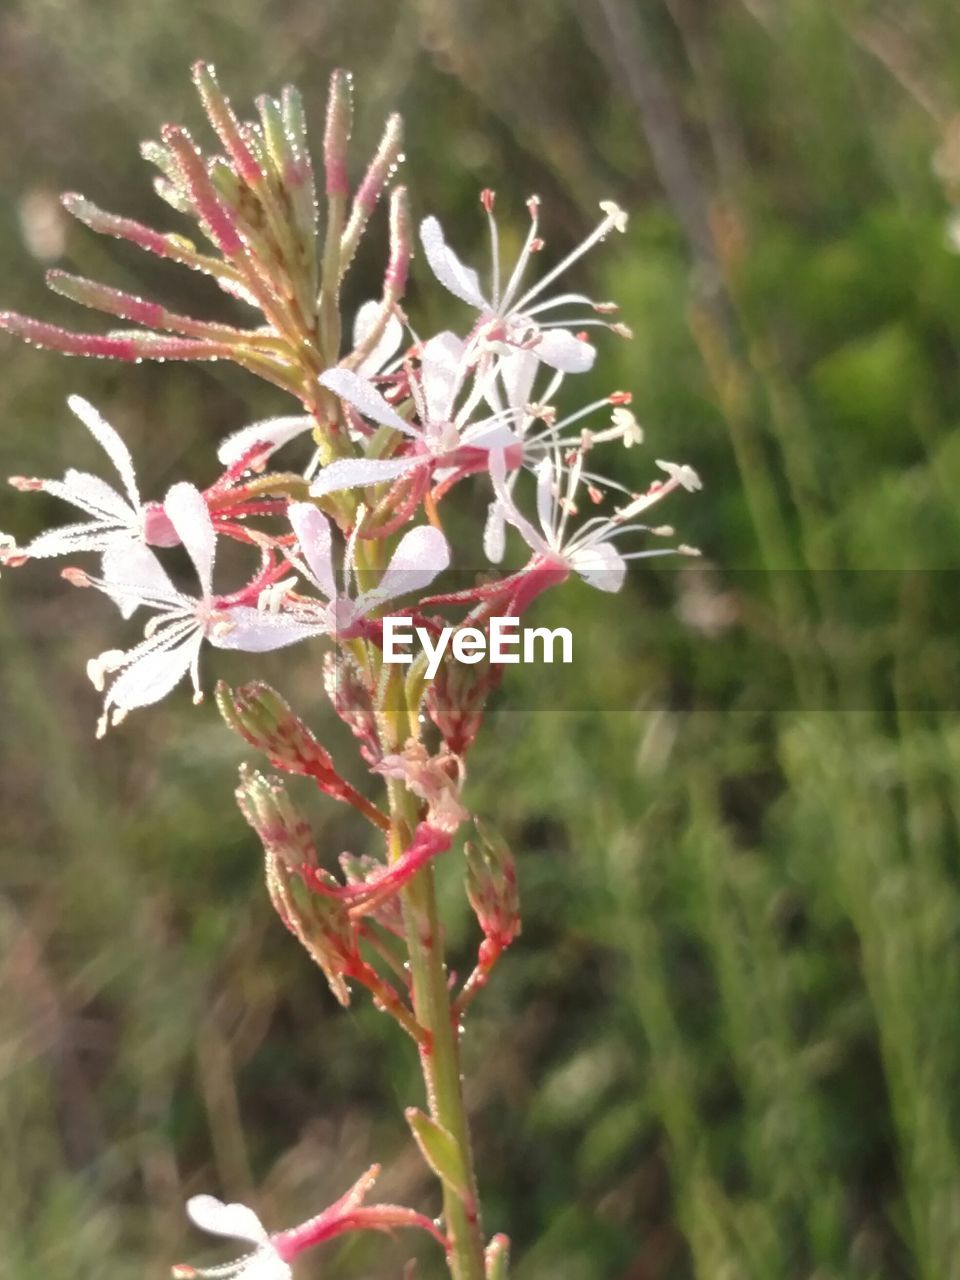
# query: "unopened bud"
492, 885
283, 830
353, 702
496, 1258
401, 245
319, 922
336, 137
275, 137
457, 698
264, 720
379, 172
225, 123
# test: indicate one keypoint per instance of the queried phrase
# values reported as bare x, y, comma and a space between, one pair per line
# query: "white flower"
274, 432
517, 372
117, 521
421, 554
588, 550
175, 635
518, 318
443, 428
236, 1222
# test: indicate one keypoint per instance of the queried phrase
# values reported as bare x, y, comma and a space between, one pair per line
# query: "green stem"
440, 1058
432, 1008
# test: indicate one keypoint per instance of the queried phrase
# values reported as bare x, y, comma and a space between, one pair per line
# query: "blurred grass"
728, 1043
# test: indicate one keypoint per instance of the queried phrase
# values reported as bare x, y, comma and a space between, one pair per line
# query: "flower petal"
511, 513
93, 495
219, 1219
187, 512
110, 442
489, 435
495, 533
421, 554
462, 281
365, 398
601, 565
253, 631
71, 538
316, 544
546, 499
131, 571
518, 369
354, 473
441, 372
563, 350
387, 344
272, 433
162, 663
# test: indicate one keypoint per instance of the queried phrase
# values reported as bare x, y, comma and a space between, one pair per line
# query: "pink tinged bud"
209, 206
336, 136
488, 199
274, 134
382, 166
321, 925
225, 123
379, 173
497, 1258
620, 397
132, 347
492, 887
121, 228
262, 718
295, 127
102, 298
353, 702
26, 484
456, 701
76, 577
401, 245
282, 828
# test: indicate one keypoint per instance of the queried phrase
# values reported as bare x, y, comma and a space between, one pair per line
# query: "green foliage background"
728, 1044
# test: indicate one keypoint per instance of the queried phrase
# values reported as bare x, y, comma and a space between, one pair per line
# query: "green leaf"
440, 1150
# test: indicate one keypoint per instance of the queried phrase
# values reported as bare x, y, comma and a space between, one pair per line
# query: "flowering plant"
390, 424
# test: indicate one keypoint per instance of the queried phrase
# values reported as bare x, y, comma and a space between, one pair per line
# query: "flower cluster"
389, 425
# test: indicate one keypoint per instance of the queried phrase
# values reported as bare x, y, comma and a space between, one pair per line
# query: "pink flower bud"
492, 887
261, 717
457, 698
336, 137
283, 830
353, 702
